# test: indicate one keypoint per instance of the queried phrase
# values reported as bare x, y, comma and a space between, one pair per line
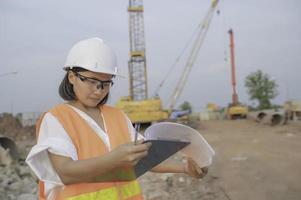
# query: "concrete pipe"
260, 116
257, 116
274, 119
7, 143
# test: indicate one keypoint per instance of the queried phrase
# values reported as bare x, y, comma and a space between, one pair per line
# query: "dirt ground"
253, 161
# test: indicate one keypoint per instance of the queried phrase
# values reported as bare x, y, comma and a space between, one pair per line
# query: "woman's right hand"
129, 154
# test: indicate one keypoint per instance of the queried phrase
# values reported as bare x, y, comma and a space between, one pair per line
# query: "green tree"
261, 88
186, 106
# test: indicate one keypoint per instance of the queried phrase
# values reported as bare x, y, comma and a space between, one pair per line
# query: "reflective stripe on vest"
126, 191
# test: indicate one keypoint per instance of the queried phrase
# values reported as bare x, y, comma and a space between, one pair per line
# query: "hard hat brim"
198, 149
67, 68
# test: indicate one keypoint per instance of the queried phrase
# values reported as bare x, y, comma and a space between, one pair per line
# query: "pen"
137, 128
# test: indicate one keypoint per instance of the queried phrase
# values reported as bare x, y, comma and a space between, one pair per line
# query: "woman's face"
90, 87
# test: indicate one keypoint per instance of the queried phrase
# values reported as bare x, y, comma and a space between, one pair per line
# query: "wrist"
113, 159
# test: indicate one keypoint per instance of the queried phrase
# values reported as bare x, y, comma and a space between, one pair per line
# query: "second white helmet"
94, 55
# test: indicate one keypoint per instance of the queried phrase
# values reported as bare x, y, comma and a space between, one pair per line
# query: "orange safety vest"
88, 145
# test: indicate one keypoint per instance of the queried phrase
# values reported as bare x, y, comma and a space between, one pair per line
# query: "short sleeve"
52, 138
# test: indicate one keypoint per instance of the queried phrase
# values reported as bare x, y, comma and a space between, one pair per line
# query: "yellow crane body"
143, 111
138, 106
237, 112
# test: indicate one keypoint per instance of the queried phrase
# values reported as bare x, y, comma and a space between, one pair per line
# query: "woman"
85, 148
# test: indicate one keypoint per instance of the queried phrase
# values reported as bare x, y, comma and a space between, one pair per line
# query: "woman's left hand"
193, 170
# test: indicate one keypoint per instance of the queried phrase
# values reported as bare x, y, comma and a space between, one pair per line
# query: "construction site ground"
253, 161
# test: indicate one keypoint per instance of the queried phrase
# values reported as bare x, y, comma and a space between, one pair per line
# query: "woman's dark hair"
66, 88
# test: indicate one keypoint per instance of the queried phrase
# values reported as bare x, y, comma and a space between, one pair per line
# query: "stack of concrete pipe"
269, 117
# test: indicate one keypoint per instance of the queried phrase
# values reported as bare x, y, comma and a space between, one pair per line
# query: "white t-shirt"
54, 138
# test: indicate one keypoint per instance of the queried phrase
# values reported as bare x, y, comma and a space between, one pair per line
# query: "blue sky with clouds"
35, 37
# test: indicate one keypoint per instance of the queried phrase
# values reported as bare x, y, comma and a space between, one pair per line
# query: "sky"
35, 37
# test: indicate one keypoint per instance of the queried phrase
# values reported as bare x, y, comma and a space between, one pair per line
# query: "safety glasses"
93, 82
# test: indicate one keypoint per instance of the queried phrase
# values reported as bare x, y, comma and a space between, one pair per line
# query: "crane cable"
156, 93
225, 34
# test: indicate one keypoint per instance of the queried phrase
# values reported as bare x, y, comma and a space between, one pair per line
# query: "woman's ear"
71, 77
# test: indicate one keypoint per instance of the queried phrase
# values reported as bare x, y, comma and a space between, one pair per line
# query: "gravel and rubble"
16, 180
179, 186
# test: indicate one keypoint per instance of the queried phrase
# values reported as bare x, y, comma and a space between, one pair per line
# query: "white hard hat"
94, 55
198, 149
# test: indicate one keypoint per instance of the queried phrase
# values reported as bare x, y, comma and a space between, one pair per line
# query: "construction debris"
11, 127
16, 181
8, 146
5, 158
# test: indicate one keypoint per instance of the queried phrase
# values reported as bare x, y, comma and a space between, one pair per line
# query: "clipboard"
157, 153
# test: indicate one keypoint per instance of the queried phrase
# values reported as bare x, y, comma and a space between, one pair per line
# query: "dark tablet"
157, 153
